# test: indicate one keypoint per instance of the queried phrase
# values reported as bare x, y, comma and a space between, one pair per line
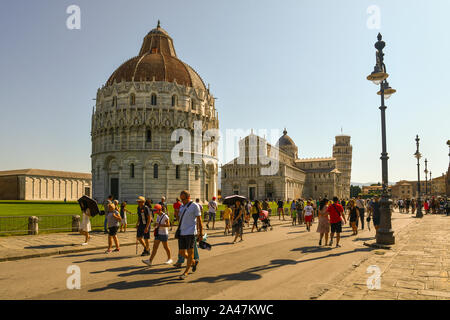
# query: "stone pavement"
417, 267
26, 247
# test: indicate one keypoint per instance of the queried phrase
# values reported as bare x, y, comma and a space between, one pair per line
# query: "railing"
33, 225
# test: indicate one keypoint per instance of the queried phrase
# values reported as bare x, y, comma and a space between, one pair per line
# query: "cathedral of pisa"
143, 102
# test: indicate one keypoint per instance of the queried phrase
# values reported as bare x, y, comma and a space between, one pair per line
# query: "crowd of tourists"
331, 216
431, 205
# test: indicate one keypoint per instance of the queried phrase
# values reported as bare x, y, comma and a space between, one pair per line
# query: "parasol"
86, 202
231, 200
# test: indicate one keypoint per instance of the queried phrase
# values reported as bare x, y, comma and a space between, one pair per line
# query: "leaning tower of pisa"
342, 151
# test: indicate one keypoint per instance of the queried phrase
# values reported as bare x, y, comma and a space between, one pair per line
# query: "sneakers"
84, 244
338, 245
170, 261
320, 242
145, 253
147, 262
194, 267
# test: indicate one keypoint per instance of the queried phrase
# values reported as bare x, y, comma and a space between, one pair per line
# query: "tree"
354, 191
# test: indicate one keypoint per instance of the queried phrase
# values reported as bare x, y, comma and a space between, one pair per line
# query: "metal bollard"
33, 225
76, 223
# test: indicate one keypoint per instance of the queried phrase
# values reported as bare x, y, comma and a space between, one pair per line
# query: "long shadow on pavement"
49, 246
107, 258
124, 285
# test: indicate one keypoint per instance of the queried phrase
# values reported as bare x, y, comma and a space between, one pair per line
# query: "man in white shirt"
308, 211
212, 208
190, 221
361, 208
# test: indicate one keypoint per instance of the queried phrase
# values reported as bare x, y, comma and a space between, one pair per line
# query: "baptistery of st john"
137, 110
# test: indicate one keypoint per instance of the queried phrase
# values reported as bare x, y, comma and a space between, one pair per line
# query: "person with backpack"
113, 219
212, 208
308, 211
143, 225
336, 212
256, 210
161, 233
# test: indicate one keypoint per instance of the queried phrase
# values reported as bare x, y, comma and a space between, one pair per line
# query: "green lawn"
57, 216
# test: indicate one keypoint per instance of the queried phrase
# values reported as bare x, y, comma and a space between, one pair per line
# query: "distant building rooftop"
46, 173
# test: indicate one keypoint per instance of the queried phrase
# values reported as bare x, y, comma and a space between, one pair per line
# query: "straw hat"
140, 199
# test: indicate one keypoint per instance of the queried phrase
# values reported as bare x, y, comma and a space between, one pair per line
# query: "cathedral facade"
294, 178
137, 111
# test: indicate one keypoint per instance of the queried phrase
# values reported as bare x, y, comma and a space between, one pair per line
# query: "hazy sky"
272, 64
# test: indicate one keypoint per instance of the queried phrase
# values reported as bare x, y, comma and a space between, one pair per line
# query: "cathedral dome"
285, 140
157, 61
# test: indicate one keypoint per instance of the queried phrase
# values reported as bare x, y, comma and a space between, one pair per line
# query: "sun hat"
140, 199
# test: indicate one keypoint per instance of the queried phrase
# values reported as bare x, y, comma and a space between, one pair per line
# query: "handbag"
178, 232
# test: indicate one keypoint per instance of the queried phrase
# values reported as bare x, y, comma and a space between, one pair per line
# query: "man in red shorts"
336, 212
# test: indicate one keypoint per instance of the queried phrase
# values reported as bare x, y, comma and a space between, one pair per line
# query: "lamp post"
431, 185
419, 213
426, 176
385, 234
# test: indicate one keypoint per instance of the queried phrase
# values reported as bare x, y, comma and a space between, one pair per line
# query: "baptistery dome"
157, 61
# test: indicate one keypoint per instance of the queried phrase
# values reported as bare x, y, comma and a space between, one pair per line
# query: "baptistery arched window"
148, 135
153, 99
174, 101
132, 170
197, 171
155, 171
114, 101
177, 172
132, 99
193, 104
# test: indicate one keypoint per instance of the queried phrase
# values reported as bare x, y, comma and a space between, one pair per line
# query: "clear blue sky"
272, 64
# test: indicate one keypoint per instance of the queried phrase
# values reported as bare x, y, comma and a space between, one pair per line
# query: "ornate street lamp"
385, 234
426, 176
431, 185
419, 213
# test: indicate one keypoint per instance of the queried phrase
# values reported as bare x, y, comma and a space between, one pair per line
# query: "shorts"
212, 216
227, 222
112, 231
186, 242
308, 218
141, 232
336, 227
162, 237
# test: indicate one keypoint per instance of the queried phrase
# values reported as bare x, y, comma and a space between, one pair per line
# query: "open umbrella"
86, 202
231, 200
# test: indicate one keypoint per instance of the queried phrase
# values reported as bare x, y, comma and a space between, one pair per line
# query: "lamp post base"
419, 213
385, 234
385, 237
